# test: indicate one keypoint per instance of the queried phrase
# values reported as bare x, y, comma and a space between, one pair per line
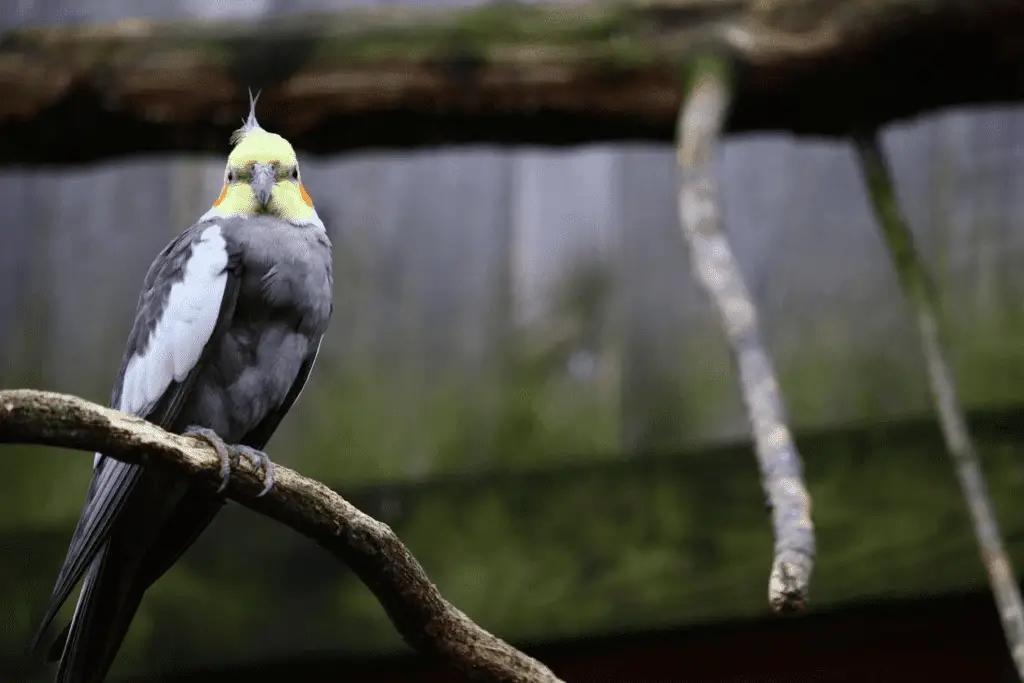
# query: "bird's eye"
231, 176
295, 173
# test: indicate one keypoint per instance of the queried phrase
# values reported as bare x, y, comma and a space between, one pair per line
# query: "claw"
221, 448
260, 461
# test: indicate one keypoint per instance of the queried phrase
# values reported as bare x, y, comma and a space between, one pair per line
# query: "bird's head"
262, 177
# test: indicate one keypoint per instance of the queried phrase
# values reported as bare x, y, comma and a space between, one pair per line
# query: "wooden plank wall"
508, 308
514, 307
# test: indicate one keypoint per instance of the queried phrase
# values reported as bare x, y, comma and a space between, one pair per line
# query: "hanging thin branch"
923, 297
699, 128
426, 621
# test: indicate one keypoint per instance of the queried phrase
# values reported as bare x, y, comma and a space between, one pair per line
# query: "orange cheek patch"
305, 195
223, 194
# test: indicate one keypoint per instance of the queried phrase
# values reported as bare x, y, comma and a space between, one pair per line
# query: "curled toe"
261, 461
218, 445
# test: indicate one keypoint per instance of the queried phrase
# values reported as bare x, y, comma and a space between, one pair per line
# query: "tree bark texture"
426, 621
715, 266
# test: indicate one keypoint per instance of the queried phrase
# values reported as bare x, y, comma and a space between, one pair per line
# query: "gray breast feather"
186, 322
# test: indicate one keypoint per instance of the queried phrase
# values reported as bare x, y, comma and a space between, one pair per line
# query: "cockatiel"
227, 329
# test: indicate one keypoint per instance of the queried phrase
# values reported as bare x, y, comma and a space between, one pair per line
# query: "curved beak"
263, 179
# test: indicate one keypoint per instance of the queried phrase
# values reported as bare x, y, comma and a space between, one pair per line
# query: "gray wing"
188, 298
196, 510
258, 437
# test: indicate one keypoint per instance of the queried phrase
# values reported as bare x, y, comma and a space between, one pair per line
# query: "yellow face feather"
263, 163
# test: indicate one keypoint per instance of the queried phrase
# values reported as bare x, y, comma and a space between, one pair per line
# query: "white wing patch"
185, 326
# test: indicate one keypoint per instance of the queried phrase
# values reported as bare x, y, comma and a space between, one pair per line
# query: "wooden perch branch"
422, 616
559, 72
699, 128
921, 293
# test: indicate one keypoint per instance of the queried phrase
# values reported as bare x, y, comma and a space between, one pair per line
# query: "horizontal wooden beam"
509, 73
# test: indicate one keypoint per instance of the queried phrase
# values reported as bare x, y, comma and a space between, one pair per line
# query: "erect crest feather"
250, 124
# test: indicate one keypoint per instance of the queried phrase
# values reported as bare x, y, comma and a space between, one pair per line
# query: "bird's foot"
259, 459
219, 447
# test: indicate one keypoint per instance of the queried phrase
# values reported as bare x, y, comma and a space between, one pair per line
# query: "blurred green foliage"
583, 33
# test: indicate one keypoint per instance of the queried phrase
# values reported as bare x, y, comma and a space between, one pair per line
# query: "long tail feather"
108, 602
